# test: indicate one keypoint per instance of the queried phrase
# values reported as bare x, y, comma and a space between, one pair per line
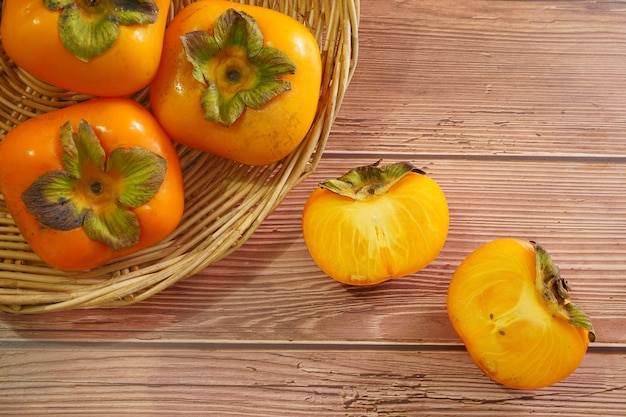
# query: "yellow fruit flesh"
506, 326
363, 242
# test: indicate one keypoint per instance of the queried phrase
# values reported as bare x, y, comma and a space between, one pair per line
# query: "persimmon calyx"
235, 67
369, 181
88, 28
96, 192
555, 291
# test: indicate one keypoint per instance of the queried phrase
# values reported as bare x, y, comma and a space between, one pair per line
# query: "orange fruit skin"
261, 135
33, 148
30, 36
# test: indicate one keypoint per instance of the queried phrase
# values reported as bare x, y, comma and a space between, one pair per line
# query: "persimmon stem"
555, 292
97, 188
237, 70
88, 28
369, 181
233, 76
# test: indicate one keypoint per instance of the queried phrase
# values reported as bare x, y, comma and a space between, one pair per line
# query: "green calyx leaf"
555, 291
237, 70
140, 174
96, 192
88, 28
369, 181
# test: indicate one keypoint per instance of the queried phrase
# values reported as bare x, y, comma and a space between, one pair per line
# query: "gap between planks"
308, 345
496, 157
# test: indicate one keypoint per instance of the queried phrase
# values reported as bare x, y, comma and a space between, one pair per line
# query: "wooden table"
518, 110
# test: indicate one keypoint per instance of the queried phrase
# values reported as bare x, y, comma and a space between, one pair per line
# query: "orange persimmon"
238, 81
375, 223
102, 47
510, 306
91, 182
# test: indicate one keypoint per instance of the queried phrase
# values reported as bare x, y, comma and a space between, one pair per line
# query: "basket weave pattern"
225, 201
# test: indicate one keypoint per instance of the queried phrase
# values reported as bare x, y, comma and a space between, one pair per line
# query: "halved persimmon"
375, 223
510, 306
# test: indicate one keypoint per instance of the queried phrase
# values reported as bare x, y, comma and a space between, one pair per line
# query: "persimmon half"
375, 223
510, 306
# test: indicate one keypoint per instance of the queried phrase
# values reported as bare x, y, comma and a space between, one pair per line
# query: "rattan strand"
225, 202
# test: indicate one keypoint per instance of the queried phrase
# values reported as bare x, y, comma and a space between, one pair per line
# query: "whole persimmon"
238, 81
91, 182
99, 47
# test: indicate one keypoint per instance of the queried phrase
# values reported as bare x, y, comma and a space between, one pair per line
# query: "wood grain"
488, 78
162, 380
517, 109
258, 291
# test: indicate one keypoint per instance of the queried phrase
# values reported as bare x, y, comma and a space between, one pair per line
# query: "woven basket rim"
217, 220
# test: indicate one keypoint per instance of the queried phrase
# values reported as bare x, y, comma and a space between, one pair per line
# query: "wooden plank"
517, 109
164, 380
270, 289
488, 78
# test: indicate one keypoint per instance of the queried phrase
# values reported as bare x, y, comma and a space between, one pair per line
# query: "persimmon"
375, 223
512, 309
91, 182
98, 47
239, 81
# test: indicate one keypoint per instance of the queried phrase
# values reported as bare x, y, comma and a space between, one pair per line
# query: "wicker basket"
225, 201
